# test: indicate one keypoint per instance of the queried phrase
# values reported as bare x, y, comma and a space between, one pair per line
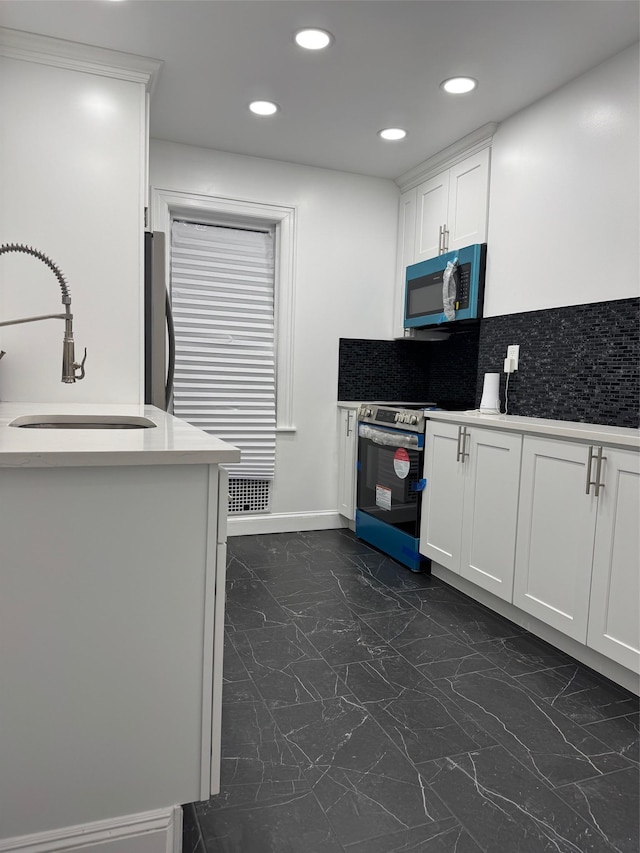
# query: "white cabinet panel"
72, 182
347, 451
440, 525
556, 527
102, 620
468, 201
614, 612
490, 510
432, 205
218, 664
405, 254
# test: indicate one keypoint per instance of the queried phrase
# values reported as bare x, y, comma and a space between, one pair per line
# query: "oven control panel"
412, 420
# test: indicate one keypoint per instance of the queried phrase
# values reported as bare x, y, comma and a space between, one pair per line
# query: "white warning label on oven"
383, 497
401, 463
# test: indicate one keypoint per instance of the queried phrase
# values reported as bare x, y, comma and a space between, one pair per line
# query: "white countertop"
171, 442
597, 433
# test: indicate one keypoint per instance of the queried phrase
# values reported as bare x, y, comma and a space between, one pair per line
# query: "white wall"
71, 157
344, 268
563, 211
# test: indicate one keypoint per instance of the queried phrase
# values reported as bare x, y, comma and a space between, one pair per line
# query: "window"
222, 293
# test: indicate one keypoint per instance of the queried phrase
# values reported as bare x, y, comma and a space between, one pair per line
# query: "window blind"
222, 295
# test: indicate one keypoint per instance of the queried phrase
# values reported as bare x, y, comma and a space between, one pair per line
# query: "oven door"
390, 476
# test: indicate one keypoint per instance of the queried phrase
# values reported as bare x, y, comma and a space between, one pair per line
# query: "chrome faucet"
69, 365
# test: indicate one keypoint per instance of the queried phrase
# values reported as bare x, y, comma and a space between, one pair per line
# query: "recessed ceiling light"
313, 39
263, 108
392, 133
459, 85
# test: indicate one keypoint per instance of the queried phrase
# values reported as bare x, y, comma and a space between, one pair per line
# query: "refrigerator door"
158, 326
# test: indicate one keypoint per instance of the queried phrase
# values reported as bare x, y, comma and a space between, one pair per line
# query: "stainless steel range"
390, 482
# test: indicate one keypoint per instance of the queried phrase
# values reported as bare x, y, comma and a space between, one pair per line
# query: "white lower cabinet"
614, 608
441, 519
551, 525
470, 503
490, 510
556, 529
347, 454
577, 559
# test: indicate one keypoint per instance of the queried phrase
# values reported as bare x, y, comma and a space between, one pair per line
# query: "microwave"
424, 298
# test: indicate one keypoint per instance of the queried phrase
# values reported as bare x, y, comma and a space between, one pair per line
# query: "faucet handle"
79, 367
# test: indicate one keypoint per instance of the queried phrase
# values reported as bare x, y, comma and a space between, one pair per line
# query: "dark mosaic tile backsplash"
383, 370
577, 363
442, 372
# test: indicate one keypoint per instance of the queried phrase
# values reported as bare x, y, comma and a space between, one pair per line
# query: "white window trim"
170, 204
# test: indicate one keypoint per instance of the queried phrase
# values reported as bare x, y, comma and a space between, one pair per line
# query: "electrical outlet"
513, 353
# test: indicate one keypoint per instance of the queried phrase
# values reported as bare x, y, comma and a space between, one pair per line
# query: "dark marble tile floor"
367, 709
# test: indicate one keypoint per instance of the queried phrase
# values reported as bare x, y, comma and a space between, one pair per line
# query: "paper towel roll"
490, 403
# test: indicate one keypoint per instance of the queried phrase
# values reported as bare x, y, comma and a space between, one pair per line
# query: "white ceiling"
384, 68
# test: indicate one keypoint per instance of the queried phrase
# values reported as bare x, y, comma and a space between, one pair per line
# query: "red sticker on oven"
401, 464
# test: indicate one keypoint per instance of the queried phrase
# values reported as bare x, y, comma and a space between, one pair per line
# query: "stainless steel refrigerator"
159, 338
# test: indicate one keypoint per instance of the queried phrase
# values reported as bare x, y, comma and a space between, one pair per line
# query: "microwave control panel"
464, 276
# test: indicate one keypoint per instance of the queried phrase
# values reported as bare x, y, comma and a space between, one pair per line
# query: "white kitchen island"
112, 569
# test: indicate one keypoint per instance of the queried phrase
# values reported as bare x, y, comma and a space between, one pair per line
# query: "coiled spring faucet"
69, 365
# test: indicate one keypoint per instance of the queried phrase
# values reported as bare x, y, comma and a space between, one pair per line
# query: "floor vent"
249, 496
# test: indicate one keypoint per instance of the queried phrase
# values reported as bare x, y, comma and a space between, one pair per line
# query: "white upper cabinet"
452, 208
444, 206
73, 173
614, 608
468, 205
404, 254
432, 213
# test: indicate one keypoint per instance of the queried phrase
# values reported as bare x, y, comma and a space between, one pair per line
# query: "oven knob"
367, 413
397, 417
413, 420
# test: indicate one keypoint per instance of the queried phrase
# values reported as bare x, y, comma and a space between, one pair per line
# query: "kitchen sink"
82, 422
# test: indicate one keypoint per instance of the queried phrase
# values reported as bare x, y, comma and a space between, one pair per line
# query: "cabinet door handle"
465, 453
590, 459
440, 239
598, 484
461, 452
349, 430
445, 238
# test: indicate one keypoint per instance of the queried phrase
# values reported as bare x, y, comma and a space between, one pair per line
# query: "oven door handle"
391, 438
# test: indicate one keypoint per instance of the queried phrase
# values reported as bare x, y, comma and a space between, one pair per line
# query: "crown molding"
465, 147
74, 56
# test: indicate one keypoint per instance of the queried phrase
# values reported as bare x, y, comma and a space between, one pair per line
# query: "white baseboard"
284, 522
609, 668
147, 832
